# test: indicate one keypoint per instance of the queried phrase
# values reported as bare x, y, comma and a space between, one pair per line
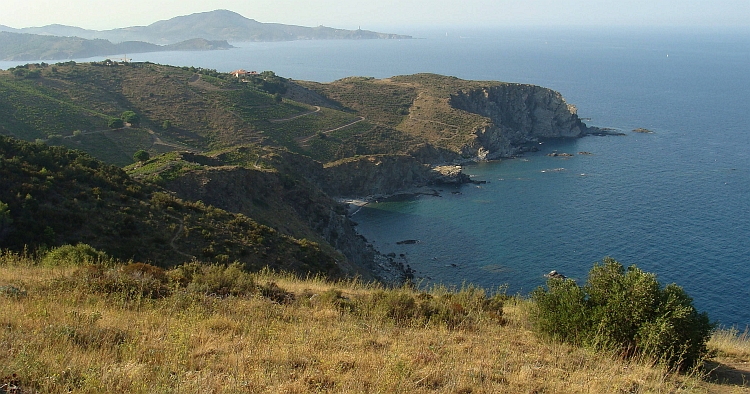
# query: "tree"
115, 123
277, 97
166, 124
141, 156
130, 117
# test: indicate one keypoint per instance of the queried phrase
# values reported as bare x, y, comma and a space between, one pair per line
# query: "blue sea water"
675, 202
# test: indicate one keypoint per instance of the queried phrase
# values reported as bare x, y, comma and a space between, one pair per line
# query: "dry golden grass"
57, 337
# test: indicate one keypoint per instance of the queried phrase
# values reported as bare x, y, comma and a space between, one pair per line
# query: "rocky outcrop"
517, 115
385, 175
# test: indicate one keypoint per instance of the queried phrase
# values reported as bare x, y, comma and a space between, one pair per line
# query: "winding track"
177, 234
317, 109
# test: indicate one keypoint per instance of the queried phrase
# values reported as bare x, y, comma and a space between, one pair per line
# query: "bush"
219, 280
624, 311
115, 123
130, 117
404, 307
69, 255
141, 156
131, 282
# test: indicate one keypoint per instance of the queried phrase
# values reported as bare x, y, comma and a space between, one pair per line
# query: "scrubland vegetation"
75, 320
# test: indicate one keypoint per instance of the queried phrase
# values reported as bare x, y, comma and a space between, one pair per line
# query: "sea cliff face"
384, 175
517, 115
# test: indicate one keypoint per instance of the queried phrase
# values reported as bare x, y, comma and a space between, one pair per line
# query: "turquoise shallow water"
676, 202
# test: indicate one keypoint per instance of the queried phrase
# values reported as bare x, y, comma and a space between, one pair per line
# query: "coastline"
355, 204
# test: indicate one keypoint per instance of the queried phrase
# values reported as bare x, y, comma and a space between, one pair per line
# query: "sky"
387, 14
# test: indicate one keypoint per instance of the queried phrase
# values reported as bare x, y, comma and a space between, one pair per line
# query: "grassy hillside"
62, 98
179, 109
200, 110
114, 327
416, 106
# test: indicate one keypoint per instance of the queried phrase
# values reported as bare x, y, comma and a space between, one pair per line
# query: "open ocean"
675, 202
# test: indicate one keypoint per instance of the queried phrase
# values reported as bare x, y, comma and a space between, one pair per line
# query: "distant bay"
675, 202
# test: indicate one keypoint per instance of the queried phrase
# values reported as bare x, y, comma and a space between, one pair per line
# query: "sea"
675, 202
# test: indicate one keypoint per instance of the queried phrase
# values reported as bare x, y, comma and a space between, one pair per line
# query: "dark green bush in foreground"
626, 311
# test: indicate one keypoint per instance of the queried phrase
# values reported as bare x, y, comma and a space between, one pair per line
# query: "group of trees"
128, 117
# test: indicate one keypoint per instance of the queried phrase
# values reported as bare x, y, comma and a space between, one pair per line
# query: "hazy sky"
378, 14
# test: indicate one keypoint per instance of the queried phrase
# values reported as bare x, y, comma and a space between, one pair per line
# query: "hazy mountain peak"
217, 25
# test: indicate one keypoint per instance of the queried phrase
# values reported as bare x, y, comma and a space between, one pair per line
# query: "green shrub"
625, 311
141, 156
115, 123
69, 255
219, 280
396, 305
452, 309
130, 117
131, 282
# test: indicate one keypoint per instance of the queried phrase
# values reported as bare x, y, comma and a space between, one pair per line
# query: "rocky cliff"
517, 115
384, 175
371, 175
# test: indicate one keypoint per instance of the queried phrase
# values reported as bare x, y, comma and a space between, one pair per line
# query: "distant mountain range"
221, 25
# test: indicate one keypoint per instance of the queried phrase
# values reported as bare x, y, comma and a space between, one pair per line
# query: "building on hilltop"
242, 73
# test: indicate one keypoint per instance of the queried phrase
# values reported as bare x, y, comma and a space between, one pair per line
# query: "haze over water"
675, 202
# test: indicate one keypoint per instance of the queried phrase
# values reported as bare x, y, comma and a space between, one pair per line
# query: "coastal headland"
280, 153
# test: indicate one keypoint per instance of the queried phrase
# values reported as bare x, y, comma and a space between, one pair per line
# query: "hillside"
430, 117
218, 25
15, 47
54, 196
133, 328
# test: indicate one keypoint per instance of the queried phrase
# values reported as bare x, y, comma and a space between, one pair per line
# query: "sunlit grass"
59, 335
